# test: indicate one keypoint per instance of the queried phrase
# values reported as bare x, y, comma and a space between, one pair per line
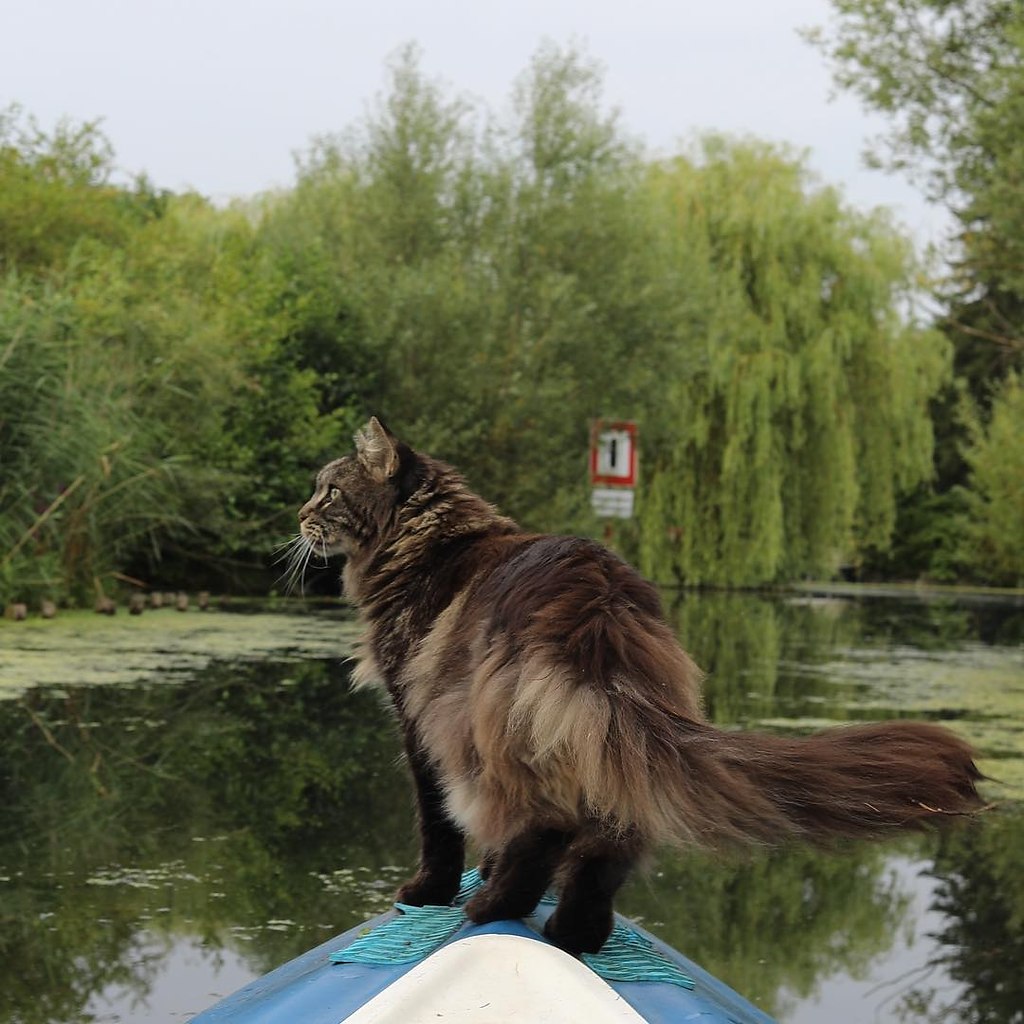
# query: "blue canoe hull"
314, 990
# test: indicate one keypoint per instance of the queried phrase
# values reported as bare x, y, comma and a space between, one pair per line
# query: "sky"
219, 95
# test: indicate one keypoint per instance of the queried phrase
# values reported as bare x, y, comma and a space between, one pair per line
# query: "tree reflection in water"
253, 810
980, 893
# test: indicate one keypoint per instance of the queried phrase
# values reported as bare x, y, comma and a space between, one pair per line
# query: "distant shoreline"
839, 589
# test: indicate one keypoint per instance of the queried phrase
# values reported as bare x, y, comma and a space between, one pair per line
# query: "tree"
995, 499
949, 74
497, 278
502, 287
55, 190
795, 407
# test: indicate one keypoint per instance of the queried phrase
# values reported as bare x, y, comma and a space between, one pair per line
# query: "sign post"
613, 467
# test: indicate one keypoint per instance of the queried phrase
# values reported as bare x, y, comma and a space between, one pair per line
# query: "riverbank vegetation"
172, 373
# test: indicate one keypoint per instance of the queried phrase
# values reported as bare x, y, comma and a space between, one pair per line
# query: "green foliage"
795, 410
928, 535
949, 75
938, 67
489, 286
80, 489
995, 501
148, 404
541, 274
54, 191
477, 274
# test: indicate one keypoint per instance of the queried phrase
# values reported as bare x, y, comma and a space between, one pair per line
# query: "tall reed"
83, 482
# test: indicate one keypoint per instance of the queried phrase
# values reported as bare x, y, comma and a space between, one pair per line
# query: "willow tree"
794, 410
993, 544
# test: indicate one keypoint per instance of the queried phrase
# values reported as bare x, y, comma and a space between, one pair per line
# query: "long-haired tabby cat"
550, 714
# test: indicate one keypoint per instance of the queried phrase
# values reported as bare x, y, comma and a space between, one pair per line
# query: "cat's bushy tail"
848, 781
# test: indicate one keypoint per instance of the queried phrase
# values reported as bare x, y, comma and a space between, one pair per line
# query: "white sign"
616, 502
615, 454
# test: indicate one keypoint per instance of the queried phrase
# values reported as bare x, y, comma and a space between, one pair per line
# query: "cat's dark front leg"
442, 844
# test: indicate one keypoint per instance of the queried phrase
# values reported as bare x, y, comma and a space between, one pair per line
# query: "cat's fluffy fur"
550, 713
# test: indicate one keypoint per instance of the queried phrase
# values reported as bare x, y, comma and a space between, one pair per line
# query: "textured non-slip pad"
417, 931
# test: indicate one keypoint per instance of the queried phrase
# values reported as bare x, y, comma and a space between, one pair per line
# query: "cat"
549, 713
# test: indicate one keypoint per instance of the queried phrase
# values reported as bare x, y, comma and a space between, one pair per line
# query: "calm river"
188, 800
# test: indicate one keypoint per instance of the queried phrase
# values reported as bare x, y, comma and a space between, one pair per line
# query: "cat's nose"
304, 512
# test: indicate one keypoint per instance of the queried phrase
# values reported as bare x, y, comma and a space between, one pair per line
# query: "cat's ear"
377, 450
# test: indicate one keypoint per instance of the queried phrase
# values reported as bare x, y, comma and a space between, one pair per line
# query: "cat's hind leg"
591, 876
487, 862
519, 875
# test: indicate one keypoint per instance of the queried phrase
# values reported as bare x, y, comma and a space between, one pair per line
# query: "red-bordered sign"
613, 453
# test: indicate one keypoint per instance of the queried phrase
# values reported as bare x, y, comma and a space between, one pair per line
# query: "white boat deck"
490, 979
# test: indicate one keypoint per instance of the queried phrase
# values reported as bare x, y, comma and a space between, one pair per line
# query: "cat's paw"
429, 890
582, 934
484, 908
491, 904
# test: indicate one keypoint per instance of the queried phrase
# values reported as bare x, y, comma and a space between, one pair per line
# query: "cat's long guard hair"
549, 712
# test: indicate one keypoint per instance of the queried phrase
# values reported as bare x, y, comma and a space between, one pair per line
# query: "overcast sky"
218, 95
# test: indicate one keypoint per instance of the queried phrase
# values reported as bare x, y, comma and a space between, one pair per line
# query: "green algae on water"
82, 648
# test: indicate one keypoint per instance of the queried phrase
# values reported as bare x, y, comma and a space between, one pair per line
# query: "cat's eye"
333, 493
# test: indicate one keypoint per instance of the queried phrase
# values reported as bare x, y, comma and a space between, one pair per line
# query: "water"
226, 803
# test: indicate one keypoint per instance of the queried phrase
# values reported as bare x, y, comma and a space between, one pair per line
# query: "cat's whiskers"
297, 552
289, 553
283, 549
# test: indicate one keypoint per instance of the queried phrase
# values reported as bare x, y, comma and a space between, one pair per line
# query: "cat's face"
354, 497
334, 520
